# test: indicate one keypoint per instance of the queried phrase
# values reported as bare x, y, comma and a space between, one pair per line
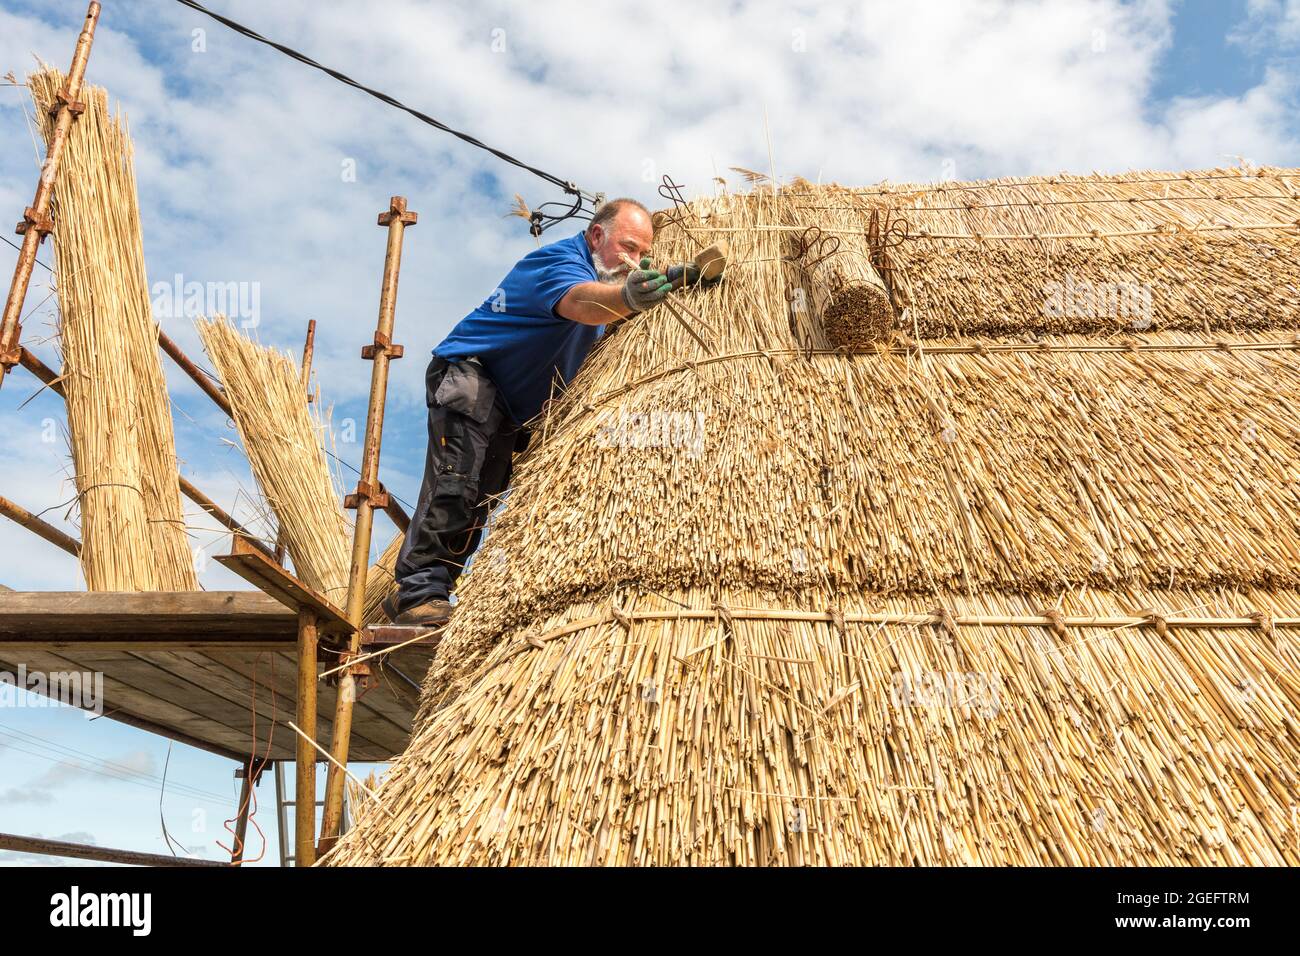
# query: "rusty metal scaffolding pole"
37, 224
369, 495
251, 774
196, 374
304, 828
20, 515
82, 851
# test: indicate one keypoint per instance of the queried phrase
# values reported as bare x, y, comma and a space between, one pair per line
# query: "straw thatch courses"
1017, 582
284, 442
119, 416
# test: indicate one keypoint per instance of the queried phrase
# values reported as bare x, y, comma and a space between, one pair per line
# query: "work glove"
645, 287
688, 274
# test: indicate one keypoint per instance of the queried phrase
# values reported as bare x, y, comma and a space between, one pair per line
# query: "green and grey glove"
688, 274
645, 287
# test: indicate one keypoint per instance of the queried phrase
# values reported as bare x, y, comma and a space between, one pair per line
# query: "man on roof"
492, 374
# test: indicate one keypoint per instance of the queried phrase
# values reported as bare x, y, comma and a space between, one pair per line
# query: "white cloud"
133, 766
1269, 23
1241, 128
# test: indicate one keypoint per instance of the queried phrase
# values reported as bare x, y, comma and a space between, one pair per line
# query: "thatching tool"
673, 191
711, 263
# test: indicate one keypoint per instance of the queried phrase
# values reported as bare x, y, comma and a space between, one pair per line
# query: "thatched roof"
1019, 581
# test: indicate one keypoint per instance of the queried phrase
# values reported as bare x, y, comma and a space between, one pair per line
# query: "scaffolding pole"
304, 829
251, 773
36, 223
369, 495
82, 851
17, 513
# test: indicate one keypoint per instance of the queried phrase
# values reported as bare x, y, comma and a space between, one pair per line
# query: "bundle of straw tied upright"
133, 534
286, 441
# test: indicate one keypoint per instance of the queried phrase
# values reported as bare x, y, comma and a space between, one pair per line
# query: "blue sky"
241, 161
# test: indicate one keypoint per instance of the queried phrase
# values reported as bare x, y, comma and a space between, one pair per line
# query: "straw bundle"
119, 416
837, 297
355, 790
765, 604
283, 442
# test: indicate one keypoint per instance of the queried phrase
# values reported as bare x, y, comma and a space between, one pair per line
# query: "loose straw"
330, 757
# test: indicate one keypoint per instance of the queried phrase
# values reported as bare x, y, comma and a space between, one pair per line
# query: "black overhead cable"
20, 249
584, 203
352, 467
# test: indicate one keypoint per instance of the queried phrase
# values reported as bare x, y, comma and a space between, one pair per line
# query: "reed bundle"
837, 297
665, 652
284, 444
119, 416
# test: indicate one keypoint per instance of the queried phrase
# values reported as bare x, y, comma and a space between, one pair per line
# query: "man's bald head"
621, 227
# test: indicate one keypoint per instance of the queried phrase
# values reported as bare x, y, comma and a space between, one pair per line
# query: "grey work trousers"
472, 441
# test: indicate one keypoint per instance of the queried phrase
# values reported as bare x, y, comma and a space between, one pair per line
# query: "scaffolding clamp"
383, 344
62, 100
376, 494
360, 670
397, 209
9, 357
44, 225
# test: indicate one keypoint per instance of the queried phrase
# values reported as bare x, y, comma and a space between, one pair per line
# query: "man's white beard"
615, 276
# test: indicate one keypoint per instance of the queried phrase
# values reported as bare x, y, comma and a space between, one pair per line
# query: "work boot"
429, 614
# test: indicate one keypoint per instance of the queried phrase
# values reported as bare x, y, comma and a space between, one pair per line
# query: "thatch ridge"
1214, 259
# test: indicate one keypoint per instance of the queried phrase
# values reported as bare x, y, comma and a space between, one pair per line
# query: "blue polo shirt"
517, 335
